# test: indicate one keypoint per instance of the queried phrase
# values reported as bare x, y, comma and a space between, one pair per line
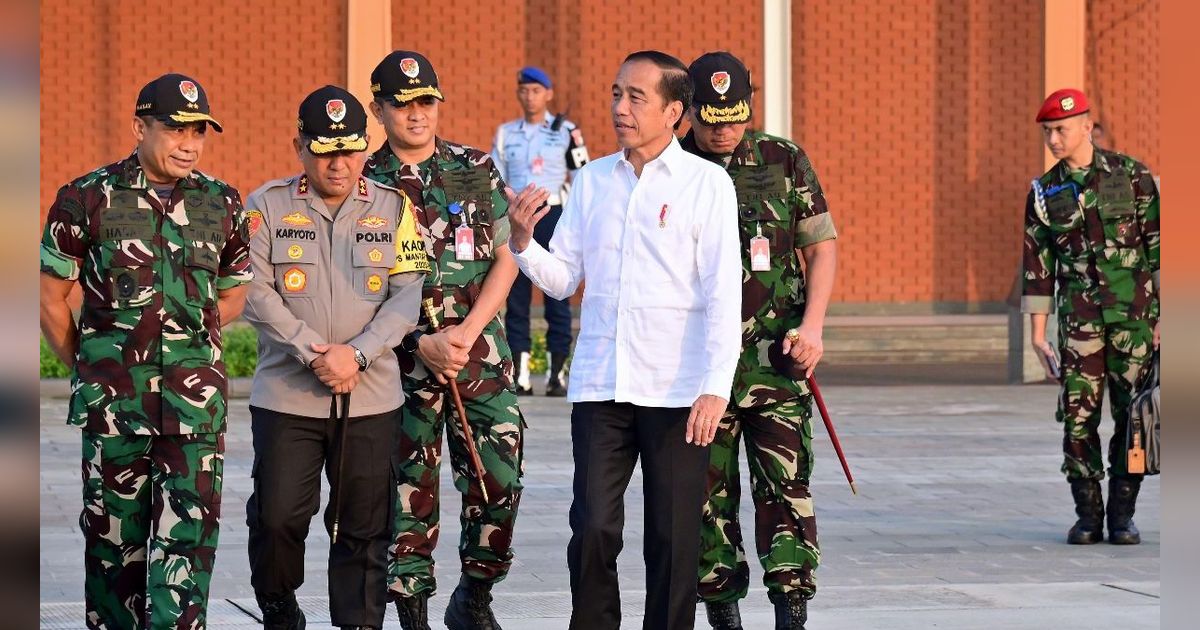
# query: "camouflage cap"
723, 89
176, 100
405, 75
331, 119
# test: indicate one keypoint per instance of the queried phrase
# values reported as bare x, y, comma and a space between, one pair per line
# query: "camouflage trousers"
779, 450
151, 506
485, 547
1095, 354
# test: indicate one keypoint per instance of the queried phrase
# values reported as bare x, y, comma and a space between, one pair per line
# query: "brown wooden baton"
431, 315
837, 445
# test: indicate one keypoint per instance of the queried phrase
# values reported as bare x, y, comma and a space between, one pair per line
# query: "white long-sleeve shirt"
661, 316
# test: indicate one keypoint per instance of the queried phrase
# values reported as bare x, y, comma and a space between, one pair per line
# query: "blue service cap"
533, 74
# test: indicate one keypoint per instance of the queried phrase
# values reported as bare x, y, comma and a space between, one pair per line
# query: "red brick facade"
917, 113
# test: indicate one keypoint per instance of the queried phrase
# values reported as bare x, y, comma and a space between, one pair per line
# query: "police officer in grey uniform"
339, 265
541, 149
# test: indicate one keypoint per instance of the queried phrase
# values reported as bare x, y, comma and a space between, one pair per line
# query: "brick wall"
255, 60
916, 113
1122, 75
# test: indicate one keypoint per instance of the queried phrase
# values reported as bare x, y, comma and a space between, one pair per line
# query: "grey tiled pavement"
959, 523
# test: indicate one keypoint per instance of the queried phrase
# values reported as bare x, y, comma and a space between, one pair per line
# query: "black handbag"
1142, 438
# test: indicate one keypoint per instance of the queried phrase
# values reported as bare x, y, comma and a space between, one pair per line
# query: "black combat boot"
471, 606
556, 376
1089, 506
413, 611
1122, 498
791, 610
723, 615
280, 612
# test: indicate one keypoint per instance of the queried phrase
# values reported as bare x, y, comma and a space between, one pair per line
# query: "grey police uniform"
325, 279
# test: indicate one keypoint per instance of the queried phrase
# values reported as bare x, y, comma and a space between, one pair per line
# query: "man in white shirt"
653, 231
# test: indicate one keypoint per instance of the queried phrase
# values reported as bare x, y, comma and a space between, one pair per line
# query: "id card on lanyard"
760, 252
464, 235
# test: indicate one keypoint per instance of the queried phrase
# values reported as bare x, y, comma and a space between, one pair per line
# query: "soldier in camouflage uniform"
1091, 228
161, 251
460, 201
783, 218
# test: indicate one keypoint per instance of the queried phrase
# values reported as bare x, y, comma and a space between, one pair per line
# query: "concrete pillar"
368, 39
777, 67
1064, 46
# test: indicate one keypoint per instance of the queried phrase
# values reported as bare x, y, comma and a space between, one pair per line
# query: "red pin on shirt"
662, 217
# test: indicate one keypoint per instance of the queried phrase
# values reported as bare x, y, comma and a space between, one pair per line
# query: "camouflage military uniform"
779, 197
149, 387
457, 184
1102, 250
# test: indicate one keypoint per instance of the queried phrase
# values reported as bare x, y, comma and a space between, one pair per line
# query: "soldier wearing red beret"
1092, 255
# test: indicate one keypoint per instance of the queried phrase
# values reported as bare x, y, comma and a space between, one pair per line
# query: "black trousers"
558, 312
289, 453
607, 439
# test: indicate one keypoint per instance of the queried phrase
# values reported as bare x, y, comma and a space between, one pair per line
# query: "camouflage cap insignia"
296, 218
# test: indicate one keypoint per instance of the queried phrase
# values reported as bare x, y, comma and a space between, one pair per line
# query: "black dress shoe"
280, 612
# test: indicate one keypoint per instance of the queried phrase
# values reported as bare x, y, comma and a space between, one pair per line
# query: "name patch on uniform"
1116, 194
121, 223
467, 184
373, 237
295, 234
759, 183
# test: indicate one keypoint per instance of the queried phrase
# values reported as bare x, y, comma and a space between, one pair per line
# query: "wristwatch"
409, 342
360, 358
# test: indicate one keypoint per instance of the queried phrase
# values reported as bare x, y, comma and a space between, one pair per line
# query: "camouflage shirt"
780, 198
149, 360
1095, 232
457, 186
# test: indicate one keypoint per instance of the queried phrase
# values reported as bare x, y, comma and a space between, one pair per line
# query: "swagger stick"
343, 429
837, 445
431, 315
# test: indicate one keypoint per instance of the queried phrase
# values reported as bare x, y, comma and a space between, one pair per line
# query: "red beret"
1063, 104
